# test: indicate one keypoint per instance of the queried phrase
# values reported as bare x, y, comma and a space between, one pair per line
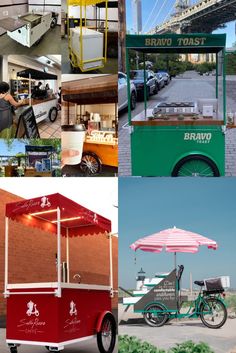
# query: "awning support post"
67, 255
6, 257
111, 265
58, 294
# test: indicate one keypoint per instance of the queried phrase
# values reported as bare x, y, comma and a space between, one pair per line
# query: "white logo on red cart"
73, 310
45, 202
32, 325
95, 218
72, 324
32, 309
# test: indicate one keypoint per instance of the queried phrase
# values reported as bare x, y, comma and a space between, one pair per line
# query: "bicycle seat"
199, 283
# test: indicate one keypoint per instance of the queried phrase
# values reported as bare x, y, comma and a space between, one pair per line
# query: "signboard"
164, 293
27, 126
179, 41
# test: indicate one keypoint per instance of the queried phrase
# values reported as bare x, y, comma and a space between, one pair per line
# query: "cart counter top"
173, 120
55, 285
39, 101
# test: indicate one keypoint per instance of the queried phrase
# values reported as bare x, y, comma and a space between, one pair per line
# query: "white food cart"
29, 29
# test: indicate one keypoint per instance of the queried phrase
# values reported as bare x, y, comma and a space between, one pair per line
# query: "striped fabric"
173, 240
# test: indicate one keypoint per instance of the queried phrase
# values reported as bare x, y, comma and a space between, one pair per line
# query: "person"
6, 111
47, 87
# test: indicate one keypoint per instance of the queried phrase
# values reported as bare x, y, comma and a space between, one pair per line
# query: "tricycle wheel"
155, 315
106, 338
52, 115
195, 165
90, 164
213, 313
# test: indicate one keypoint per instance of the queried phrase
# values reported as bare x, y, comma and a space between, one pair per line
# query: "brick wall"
32, 255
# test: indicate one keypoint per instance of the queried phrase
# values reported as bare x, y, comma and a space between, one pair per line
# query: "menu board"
27, 126
164, 292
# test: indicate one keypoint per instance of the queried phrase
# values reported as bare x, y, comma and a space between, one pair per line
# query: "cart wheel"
48, 348
156, 89
13, 349
90, 163
54, 22
153, 318
106, 338
195, 165
52, 115
133, 100
213, 313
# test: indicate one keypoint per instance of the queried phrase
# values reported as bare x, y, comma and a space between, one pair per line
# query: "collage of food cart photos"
118, 176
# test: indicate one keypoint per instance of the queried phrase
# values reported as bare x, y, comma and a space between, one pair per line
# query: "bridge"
205, 16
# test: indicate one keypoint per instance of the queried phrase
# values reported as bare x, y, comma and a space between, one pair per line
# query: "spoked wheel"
90, 163
155, 315
213, 313
106, 338
195, 165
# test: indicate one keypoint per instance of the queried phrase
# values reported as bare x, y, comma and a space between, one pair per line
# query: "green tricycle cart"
179, 138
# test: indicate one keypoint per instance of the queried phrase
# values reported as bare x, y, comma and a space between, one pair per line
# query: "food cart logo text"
72, 325
181, 42
200, 137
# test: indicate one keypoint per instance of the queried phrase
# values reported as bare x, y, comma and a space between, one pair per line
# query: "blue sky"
162, 11
15, 148
205, 206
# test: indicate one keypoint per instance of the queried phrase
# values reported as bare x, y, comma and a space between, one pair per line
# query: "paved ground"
221, 341
188, 87
47, 129
85, 347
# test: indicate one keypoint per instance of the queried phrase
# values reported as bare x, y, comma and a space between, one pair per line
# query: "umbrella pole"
175, 262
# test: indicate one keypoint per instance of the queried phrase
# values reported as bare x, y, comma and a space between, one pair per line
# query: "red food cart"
61, 313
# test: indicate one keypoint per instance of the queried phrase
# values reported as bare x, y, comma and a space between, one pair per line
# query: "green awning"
177, 43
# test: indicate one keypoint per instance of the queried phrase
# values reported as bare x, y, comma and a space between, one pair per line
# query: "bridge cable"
164, 2
150, 15
168, 14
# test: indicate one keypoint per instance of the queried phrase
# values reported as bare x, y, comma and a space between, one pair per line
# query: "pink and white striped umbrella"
173, 240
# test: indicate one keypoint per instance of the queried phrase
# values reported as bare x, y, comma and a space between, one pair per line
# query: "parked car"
160, 80
165, 76
151, 82
123, 92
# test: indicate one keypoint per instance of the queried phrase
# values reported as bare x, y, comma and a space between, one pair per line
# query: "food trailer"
44, 103
96, 108
87, 43
60, 313
179, 138
29, 29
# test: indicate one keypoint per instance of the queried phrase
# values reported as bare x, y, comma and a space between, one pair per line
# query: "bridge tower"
181, 5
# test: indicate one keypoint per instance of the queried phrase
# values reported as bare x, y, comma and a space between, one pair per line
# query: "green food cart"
179, 138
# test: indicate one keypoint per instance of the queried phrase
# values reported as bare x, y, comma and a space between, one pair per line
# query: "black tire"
52, 115
53, 22
13, 349
90, 164
106, 338
156, 89
133, 100
155, 320
217, 306
48, 348
210, 169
